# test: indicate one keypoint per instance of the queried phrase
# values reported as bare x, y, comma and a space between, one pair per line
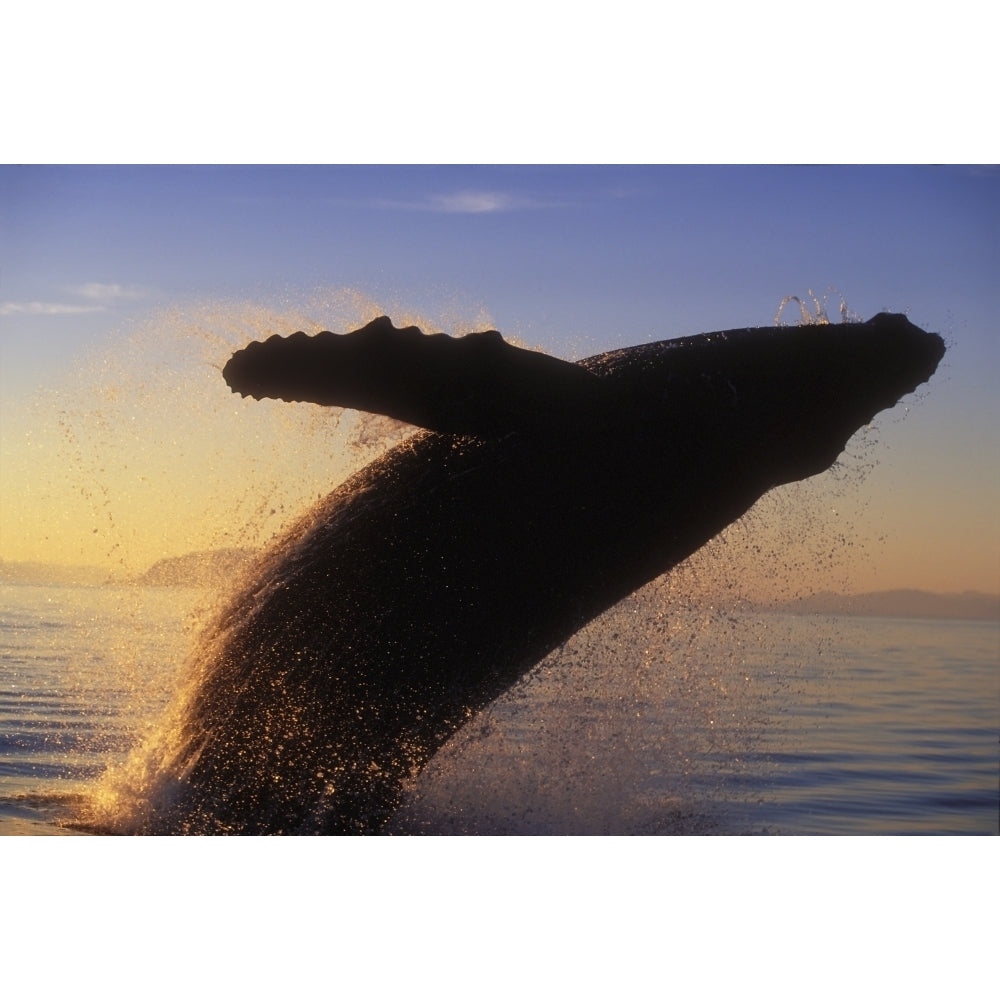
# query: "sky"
124, 289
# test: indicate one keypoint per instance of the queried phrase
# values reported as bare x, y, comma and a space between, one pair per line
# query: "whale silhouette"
541, 493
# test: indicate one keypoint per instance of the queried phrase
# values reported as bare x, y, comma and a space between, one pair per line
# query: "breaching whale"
540, 494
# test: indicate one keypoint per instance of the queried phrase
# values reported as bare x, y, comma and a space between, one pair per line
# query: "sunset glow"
125, 290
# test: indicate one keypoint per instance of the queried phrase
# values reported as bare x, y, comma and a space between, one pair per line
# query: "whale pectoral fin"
477, 384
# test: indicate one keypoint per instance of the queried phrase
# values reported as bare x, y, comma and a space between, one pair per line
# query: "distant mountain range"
196, 569
218, 566
51, 574
896, 604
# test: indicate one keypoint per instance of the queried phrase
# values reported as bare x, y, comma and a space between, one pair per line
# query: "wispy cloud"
45, 309
469, 203
476, 202
101, 292
98, 297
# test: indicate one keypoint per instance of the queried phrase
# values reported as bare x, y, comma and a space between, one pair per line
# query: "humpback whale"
539, 493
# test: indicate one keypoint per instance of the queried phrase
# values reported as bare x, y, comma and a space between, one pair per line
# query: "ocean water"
653, 720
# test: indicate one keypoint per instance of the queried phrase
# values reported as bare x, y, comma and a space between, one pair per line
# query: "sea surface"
654, 720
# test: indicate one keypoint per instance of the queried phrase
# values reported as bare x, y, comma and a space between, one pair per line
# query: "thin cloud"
475, 202
45, 309
469, 203
100, 298
96, 290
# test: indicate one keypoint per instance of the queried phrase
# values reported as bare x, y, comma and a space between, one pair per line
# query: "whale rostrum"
540, 493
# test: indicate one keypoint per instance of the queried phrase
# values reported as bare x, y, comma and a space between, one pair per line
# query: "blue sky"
611, 254
573, 259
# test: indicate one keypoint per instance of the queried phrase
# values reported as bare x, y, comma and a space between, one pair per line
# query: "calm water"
650, 721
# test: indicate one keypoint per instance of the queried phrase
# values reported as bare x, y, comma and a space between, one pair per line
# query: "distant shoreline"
50, 574
970, 605
196, 569
210, 569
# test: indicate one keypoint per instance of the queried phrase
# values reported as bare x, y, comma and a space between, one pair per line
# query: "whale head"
785, 400
828, 381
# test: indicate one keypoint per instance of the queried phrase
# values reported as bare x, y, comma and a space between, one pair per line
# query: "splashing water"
819, 315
